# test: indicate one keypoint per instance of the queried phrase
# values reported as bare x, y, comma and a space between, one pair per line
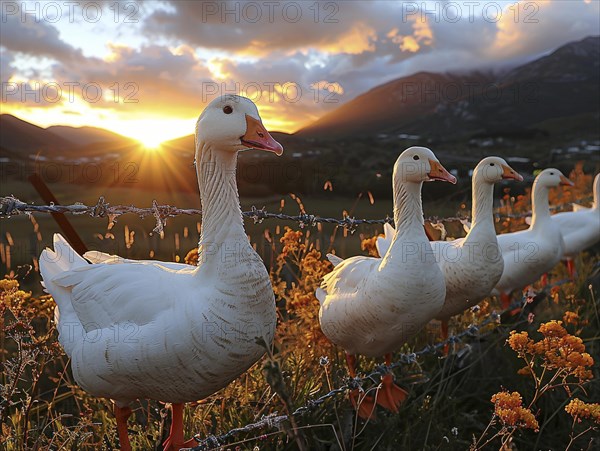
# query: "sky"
146, 69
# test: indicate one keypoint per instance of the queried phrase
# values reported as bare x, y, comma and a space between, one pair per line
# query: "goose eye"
227, 109
552, 173
416, 157
492, 164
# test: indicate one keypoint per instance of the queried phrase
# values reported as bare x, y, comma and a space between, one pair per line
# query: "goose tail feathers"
53, 263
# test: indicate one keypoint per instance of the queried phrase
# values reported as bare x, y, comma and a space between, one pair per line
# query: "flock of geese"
178, 333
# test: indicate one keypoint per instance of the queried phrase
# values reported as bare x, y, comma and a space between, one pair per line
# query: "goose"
472, 265
530, 253
172, 332
580, 228
371, 306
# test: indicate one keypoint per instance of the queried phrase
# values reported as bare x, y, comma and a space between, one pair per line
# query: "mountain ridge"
451, 105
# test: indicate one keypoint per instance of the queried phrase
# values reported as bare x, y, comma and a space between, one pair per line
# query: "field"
450, 397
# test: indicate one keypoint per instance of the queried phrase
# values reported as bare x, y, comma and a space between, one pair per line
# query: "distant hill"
83, 136
453, 106
22, 137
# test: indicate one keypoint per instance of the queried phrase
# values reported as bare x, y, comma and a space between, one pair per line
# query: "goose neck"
540, 205
221, 212
408, 207
482, 210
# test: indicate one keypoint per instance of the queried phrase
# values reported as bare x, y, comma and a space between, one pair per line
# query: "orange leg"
390, 396
365, 405
571, 268
175, 440
445, 335
122, 414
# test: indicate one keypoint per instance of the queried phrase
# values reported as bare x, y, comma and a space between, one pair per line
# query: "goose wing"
383, 243
103, 295
347, 276
101, 257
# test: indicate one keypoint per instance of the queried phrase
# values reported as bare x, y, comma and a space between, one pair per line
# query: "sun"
151, 143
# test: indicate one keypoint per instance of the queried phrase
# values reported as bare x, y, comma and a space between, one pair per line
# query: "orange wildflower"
370, 245
509, 408
552, 329
291, 241
571, 318
520, 342
579, 410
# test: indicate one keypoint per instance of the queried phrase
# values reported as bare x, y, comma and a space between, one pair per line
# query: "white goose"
371, 306
530, 253
580, 228
471, 265
172, 332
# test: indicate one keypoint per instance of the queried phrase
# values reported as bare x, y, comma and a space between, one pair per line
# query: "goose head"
550, 178
232, 123
419, 164
493, 169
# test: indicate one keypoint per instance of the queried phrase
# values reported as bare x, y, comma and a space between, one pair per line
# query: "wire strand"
10, 205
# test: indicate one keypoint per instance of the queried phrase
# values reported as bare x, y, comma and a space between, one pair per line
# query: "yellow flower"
9, 284
520, 342
579, 409
571, 318
370, 245
192, 257
552, 329
291, 241
509, 408
558, 350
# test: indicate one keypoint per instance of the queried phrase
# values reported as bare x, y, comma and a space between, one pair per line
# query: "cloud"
259, 28
330, 52
153, 80
6, 70
35, 38
544, 25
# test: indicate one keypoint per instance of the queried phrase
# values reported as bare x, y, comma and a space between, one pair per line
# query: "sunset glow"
147, 72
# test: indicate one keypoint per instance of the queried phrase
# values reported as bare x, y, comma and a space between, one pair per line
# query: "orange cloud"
422, 35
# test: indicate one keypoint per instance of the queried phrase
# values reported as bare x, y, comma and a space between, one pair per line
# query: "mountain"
454, 106
83, 136
396, 106
22, 137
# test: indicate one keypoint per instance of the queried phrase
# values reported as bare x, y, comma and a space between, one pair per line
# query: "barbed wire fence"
274, 420
10, 205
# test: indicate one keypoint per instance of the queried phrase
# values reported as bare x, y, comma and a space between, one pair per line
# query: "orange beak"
565, 181
257, 137
510, 173
439, 172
